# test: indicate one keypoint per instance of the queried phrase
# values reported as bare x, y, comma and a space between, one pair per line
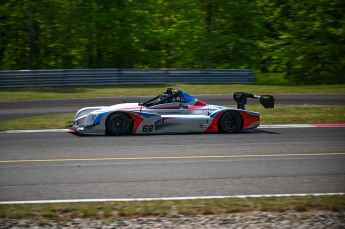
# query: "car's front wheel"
230, 122
118, 124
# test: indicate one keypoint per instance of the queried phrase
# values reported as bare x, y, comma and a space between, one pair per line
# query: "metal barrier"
112, 76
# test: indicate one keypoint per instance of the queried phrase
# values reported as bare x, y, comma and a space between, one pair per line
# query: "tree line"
303, 40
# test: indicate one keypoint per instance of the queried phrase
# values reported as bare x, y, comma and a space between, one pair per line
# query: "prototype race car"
173, 111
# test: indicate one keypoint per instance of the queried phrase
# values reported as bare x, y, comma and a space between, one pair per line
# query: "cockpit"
170, 96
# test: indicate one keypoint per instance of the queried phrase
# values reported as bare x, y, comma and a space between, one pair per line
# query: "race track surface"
44, 166
10, 110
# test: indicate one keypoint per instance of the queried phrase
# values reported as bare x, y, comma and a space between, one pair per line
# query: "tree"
304, 40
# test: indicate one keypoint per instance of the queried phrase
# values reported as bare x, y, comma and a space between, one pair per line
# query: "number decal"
147, 128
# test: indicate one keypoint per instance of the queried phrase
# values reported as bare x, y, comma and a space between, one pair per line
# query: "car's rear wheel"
118, 124
230, 122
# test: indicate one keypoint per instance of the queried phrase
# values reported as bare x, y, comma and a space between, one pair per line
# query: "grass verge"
281, 114
114, 210
45, 93
54, 121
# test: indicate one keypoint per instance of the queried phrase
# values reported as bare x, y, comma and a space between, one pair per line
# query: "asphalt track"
48, 166
10, 110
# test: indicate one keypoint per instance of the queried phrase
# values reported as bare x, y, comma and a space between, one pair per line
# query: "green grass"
113, 210
55, 121
279, 115
306, 114
45, 93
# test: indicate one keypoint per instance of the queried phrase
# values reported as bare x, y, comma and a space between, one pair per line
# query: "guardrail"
112, 76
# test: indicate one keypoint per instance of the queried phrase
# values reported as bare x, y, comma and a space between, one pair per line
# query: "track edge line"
165, 198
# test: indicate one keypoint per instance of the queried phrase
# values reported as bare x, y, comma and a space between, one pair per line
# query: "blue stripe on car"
159, 122
98, 118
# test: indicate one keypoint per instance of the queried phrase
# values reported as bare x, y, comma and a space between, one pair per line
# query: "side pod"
267, 101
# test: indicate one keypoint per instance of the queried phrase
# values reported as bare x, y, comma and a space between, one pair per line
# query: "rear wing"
241, 99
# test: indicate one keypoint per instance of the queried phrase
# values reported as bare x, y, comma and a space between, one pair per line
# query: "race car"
173, 111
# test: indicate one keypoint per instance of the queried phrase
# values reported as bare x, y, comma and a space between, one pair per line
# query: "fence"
111, 76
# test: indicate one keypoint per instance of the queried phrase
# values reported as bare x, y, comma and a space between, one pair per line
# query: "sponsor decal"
170, 112
204, 125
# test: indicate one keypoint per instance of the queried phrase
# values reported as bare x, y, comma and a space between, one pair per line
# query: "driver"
163, 97
173, 95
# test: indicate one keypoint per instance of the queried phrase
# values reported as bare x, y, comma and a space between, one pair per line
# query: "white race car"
173, 111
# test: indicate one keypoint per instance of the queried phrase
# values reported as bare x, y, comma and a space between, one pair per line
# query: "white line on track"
35, 131
260, 127
165, 198
286, 126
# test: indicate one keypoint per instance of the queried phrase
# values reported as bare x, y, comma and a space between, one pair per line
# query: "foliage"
302, 40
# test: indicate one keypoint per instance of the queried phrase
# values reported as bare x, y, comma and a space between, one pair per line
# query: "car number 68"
147, 128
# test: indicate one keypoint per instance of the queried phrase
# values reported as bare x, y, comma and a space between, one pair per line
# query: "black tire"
230, 122
118, 124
